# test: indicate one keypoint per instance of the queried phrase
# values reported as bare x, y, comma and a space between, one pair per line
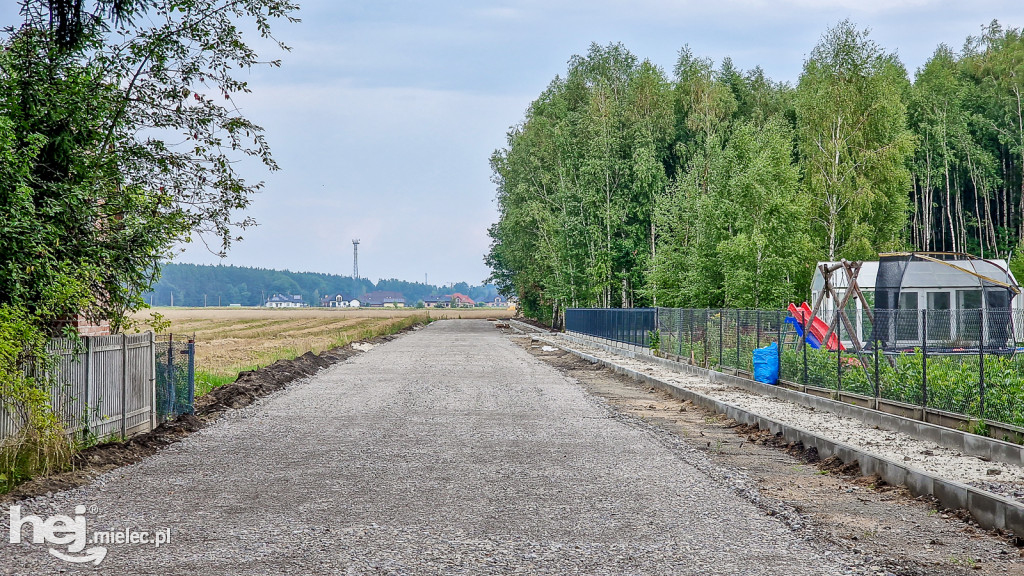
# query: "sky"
385, 113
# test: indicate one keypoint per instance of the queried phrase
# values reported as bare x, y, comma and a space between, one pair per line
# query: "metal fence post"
124, 386
634, 328
705, 339
757, 340
779, 319
877, 389
839, 358
981, 366
152, 380
803, 346
924, 365
690, 313
191, 377
721, 337
679, 334
737, 340
170, 375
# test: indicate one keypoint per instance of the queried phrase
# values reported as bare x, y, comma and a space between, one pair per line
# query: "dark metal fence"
963, 362
630, 326
175, 376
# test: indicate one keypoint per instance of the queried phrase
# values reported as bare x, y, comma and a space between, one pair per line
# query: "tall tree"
133, 139
854, 142
576, 184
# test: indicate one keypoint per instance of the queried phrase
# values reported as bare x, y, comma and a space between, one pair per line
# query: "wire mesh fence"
175, 360
959, 361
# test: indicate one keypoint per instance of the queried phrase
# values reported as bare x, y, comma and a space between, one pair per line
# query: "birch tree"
854, 143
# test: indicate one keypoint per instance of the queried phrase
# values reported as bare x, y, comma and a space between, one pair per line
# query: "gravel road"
447, 451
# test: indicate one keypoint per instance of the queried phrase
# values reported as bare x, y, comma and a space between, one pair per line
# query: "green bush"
40, 446
953, 381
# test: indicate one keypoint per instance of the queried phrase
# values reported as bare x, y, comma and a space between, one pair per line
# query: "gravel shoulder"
450, 450
997, 477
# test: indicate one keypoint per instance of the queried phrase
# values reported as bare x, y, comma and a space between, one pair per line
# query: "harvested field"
232, 340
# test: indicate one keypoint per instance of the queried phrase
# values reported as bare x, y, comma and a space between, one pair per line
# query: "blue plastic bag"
766, 364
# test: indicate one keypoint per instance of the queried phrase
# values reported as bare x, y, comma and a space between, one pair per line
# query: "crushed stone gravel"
897, 446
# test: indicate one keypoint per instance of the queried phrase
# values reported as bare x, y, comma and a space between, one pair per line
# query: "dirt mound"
249, 387
755, 435
835, 465
254, 384
535, 323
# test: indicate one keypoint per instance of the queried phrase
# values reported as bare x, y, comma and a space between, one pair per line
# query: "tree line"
209, 285
720, 187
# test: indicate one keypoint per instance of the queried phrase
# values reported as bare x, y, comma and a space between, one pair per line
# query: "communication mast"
355, 258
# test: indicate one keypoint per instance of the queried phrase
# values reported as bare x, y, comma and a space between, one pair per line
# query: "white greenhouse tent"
943, 297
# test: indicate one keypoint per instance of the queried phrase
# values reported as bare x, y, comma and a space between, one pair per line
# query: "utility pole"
355, 258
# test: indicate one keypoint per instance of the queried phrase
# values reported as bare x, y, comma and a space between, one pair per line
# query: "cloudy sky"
384, 114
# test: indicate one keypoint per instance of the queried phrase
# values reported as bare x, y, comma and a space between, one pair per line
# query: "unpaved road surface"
451, 450
883, 525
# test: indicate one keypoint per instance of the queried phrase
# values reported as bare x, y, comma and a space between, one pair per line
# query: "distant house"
285, 301
462, 301
498, 302
383, 299
437, 302
353, 303
334, 301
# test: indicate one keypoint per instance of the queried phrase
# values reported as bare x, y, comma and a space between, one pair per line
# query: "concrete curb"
970, 444
989, 510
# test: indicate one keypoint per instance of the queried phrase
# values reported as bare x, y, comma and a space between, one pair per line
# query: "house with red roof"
462, 301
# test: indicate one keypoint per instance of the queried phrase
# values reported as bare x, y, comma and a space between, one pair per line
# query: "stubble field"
231, 340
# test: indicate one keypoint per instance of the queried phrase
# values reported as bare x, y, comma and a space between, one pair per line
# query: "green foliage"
199, 285
654, 340
966, 110
854, 143
1017, 264
953, 381
118, 137
40, 446
116, 142
576, 185
720, 187
734, 232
